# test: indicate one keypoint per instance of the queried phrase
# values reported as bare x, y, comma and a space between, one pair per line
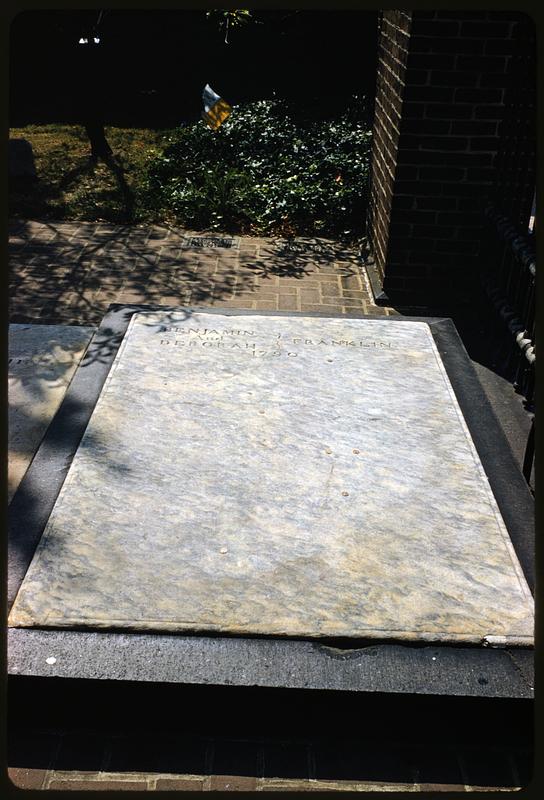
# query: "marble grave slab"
41, 363
288, 476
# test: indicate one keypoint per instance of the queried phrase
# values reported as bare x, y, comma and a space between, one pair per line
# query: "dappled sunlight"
72, 185
42, 361
71, 272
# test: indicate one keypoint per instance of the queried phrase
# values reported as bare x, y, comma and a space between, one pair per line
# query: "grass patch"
70, 187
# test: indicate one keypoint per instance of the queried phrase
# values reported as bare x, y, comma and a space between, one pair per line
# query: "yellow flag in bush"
216, 110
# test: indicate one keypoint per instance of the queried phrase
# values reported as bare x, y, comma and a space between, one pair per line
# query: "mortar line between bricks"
209, 757
106, 755
45, 777
48, 779
105, 776
310, 762
513, 769
56, 752
463, 770
260, 762
166, 776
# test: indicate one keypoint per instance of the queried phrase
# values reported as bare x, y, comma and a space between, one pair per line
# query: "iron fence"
509, 280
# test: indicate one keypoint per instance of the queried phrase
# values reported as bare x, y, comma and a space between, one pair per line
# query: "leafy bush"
266, 171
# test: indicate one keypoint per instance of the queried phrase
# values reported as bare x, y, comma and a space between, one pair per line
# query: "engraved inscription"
208, 241
237, 339
301, 247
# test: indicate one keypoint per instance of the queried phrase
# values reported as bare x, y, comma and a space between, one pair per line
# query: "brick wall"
451, 127
516, 158
392, 57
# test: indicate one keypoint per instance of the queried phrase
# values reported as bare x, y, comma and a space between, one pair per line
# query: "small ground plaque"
211, 242
297, 476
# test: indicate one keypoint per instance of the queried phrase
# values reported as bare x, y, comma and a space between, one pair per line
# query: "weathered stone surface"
42, 361
286, 476
21, 159
462, 671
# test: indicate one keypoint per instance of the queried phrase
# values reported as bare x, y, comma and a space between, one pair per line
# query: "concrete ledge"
287, 663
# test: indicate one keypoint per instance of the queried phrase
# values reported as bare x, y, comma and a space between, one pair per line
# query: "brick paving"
111, 781
68, 273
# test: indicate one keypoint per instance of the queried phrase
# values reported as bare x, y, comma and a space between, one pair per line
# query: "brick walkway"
69, 273
140, 781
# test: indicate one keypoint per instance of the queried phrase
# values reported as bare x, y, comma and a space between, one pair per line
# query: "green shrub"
266, 171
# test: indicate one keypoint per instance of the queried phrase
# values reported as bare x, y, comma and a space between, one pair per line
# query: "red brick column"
443, 136
392, 58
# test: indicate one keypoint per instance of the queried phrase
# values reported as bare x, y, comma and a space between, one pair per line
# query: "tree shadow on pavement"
69, 274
